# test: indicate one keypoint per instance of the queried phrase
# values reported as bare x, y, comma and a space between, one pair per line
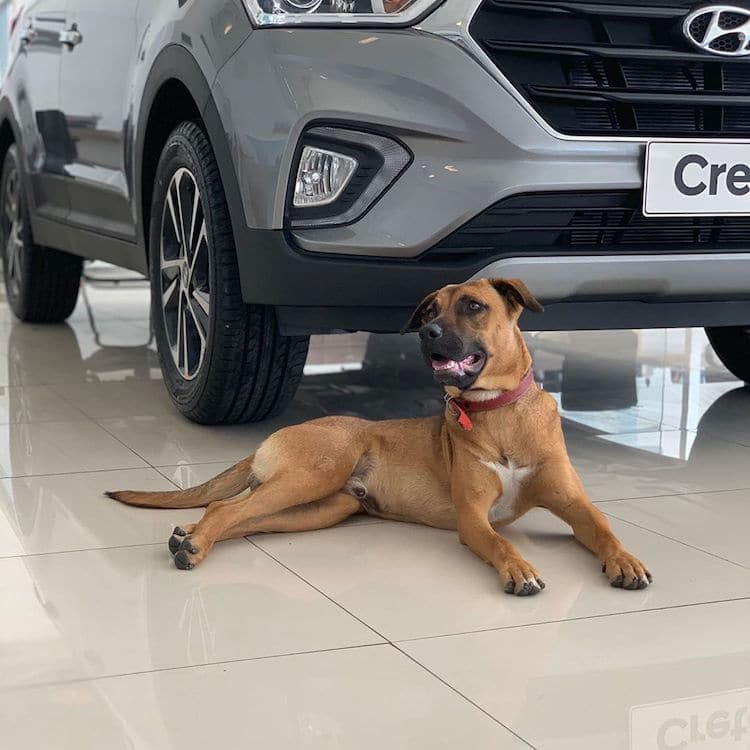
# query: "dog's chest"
512, 476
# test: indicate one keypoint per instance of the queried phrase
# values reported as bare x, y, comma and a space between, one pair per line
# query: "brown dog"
496, 453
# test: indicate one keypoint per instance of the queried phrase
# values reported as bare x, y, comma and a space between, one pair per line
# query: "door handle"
71, 37
28, 33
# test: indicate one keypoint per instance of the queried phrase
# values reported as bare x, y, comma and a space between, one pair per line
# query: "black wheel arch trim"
175, 62
7, 115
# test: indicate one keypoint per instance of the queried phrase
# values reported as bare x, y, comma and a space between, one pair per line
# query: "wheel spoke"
203, 299
202, 241
169, 292
11, 254
178, 333
10, 207
12, 195
200, 328
196, 205
178, 184
17, 256
172, 264
185, 345
200, 318
175, 223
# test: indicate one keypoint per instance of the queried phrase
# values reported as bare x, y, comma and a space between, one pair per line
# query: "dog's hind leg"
295, 466
318, 514
290, 488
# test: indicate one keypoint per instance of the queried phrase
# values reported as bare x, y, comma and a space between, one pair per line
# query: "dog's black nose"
431, 331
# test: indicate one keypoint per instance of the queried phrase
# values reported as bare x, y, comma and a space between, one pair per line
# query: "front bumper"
474, 142
314, 293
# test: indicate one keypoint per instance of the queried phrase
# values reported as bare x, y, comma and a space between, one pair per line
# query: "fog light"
322, 176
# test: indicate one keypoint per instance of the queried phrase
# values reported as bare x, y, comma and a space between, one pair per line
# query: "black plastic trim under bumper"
324, 293
274, 272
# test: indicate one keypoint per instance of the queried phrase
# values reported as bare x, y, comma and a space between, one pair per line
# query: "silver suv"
287, 167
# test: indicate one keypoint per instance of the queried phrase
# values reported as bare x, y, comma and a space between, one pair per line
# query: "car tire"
732, 347
41, 283
223, 361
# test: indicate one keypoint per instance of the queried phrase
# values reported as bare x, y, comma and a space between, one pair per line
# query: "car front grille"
585, 223
615, 68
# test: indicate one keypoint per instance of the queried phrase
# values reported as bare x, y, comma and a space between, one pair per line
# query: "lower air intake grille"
583, 222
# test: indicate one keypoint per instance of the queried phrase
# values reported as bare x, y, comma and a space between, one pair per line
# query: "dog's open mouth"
468, 366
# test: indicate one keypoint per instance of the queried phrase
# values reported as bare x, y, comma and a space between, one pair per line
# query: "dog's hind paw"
186, 554
178, 535
185, 558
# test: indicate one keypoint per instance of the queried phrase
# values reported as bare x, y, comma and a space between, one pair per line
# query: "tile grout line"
671, 494
82, 549
311, 585
458, 692
603, 615
118, 675
67, 401
198, 463
387, 641
678, 541
723, 439
132, 450
688, 430
79, 472
24, 555
113, 436
171, 481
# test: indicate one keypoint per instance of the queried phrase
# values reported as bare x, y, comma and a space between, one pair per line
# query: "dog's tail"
230, 482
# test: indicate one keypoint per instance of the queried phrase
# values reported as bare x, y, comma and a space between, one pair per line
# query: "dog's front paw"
520, 578
626, 572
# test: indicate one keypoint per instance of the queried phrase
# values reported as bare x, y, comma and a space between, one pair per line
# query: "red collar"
461, 408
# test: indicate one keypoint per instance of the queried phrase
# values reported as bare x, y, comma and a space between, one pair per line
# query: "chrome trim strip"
642, 276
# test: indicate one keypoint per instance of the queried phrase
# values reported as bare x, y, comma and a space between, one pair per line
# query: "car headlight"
338, 12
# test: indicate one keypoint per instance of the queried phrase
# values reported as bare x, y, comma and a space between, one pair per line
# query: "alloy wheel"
184, 273
13, 221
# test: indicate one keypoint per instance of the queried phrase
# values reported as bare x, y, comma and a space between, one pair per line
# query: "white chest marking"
512, 477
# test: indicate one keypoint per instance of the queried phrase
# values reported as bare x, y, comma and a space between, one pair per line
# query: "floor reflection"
657, 428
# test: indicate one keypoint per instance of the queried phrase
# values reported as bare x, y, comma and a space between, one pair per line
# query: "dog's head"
469, 333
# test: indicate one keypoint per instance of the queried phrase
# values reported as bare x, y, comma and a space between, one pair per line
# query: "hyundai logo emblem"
719, 29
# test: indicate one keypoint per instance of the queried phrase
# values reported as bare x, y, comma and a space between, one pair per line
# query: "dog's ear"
417, 318
517, 293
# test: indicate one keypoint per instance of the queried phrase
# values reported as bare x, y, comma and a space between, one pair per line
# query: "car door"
97, 61
33, 85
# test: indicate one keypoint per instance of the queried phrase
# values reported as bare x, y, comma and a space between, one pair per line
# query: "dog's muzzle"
453, 360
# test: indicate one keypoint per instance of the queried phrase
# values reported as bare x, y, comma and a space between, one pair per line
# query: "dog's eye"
474, 307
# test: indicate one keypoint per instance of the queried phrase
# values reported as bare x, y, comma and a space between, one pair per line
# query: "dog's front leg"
474, 489
558, 488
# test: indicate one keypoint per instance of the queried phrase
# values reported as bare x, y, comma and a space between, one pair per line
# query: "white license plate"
697, 178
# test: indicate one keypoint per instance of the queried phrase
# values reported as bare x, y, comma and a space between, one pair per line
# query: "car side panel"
94, 94
31, 94
205, 36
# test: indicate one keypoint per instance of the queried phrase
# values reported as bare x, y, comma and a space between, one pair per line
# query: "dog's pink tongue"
451, 364
443, 364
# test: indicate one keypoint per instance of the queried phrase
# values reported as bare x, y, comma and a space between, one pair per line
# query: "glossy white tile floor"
372, 634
